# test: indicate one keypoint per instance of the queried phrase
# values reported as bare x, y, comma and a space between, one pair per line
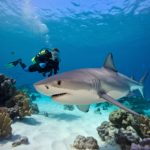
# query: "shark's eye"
59, 82
47, 87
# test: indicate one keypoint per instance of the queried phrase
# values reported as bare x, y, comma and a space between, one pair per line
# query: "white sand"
59, 130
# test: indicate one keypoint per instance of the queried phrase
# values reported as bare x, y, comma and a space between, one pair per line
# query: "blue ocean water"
85, 32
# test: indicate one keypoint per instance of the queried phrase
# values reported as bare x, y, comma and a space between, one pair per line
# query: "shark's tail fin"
142, 82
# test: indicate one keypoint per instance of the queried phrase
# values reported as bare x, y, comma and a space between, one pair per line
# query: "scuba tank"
42, 51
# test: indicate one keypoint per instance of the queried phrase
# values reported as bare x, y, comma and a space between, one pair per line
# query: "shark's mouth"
58, 95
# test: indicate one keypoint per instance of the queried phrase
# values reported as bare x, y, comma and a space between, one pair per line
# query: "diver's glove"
42, 65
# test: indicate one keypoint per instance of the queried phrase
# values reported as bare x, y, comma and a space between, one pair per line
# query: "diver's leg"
13, 64
50, 74
33, 68
24, 67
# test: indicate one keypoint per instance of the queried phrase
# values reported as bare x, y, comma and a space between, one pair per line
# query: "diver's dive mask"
55, 54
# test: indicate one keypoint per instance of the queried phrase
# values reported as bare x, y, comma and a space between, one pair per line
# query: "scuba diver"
45, 61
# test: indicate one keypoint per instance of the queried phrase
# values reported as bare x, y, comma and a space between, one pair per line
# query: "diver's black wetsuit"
45, 58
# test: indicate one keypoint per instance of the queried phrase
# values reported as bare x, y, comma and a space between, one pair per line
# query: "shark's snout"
42, 89
49, 90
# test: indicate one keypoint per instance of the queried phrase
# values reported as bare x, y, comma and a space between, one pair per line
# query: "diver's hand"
42, 65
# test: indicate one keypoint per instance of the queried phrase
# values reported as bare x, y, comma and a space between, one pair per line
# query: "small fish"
12, 53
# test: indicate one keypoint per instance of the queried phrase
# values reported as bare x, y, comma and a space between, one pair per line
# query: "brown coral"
144, 126
5, 124
13, 112
2, 110
17, 96
6, 84
83, 143
25, 110
120, 118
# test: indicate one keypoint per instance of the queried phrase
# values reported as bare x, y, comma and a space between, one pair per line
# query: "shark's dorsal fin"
109, 64
132, 77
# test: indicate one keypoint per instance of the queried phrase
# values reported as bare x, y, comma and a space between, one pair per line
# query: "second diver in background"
44, 62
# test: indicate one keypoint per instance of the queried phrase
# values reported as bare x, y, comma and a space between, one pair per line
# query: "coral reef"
34, 108
45, 114
6, 84
16, 97
13, 112
120, 118
18, 104
5, 126
142, 126
97, 111
24, 87
38, 96
138, 147
145, 142
105, 108
127, 104
98, 104
144, 145
136, 102
139, 111
105, 105
69, 107
21, 140
122, 100
21, 109
106, 131
25, 110
33, 97
136, 128
3, 110
83, 143
126, 137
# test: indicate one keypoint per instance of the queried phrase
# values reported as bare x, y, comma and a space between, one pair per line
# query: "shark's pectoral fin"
84, 108
113, 101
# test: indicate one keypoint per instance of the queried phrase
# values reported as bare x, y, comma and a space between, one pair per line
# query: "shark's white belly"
117, 94
87, 96
80, 97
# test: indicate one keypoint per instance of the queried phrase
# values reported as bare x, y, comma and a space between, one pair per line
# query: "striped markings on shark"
105, 84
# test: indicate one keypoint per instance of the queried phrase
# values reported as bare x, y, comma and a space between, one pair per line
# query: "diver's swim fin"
13, 64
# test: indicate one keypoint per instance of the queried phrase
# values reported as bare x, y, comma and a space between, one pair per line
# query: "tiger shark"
83, 87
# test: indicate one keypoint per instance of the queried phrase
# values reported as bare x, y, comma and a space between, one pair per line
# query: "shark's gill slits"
98, 84
95, 85
92, 87
58, 95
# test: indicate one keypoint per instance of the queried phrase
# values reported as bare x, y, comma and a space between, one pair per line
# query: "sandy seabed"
59, 130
